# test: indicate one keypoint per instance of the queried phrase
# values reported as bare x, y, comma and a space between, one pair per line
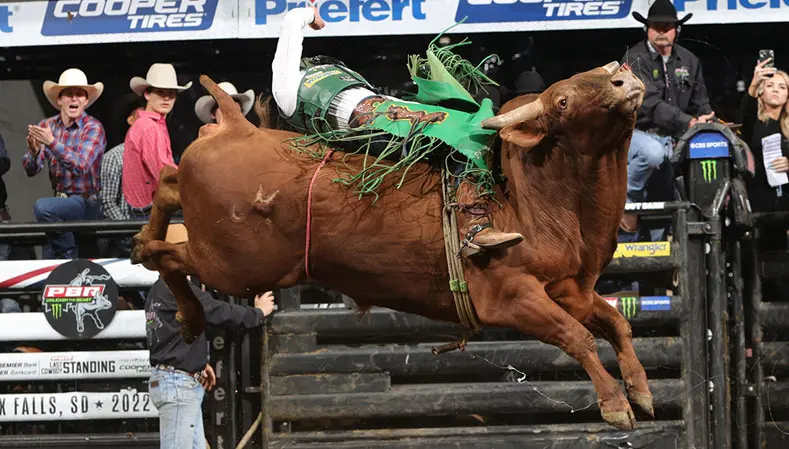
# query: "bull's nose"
626, 81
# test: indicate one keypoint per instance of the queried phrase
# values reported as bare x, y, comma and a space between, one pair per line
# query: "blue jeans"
54, 209
646, 154
178, 399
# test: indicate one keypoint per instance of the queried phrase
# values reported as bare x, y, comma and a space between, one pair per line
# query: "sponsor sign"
654, 205
709, 170
629, 306
643, 249
79, 17
708, 144
612, 301
655, 303
5, 18
39, 22
75, 365
75, 406
79, 299
502, 11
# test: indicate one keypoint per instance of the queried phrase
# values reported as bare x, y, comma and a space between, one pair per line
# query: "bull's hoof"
621, 419
643, 401
139, 242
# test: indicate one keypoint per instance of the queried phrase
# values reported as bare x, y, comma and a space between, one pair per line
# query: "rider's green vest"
318, 87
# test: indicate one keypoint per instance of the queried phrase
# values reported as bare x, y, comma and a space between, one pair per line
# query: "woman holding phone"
765, 113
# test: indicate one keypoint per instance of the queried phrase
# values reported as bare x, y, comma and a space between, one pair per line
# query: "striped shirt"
113, 204
74, 158
147, 151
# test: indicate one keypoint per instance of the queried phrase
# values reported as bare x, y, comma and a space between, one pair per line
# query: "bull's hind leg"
174, 265
166, 202
530, 310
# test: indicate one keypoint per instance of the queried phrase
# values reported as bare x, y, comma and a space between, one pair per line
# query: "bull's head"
588, 112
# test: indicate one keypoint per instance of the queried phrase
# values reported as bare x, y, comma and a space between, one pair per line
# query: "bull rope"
309, 212
457, 280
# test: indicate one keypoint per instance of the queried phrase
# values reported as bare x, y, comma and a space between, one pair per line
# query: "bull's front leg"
604, 321
166, 202
174, 265
523, 304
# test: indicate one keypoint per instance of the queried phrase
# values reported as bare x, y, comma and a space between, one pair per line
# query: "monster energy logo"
628, 306
57, 310
710, 170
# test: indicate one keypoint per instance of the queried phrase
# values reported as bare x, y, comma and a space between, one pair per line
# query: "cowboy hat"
160, 76
176, 233
662, 11
205, 103
72, 78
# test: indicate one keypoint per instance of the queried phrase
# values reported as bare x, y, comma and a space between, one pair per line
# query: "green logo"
710, 169
629, 306
57, 310
655, 74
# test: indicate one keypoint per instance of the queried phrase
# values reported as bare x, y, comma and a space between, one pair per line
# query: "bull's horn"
524, 113
612, 67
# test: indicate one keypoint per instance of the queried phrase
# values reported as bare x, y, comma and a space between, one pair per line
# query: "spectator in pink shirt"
147, 146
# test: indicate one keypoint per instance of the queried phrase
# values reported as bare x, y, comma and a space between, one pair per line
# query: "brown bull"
244, 196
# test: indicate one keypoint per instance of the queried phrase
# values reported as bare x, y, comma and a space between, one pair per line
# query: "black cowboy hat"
662, 11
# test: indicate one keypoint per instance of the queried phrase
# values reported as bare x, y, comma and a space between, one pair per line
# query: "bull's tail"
232, 116
263, 111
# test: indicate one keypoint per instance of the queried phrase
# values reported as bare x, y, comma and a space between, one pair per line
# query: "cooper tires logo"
79, 299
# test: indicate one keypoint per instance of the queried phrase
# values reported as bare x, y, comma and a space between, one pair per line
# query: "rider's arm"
287, 59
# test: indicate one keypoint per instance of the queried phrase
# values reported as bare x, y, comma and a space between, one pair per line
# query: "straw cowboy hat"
159, 75
662, 11
205, 103
72, 78
176, 233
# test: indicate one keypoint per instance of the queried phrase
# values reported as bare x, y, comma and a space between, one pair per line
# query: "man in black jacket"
675, 98
180, 372
5, 165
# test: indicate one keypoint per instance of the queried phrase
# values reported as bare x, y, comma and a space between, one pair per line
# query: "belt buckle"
60, 195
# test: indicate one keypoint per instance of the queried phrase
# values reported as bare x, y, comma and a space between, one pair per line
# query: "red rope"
309, 212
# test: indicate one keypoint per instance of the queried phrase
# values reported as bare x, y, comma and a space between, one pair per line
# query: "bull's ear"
522, 135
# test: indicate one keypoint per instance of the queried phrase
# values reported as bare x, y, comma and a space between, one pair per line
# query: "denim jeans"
647, 153
179, 399
54, 209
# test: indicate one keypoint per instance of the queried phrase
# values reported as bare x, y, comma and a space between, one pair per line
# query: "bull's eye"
562, 103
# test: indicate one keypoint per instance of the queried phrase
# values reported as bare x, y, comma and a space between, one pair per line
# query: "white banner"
24, 23
19, 274
33, 326
98, 21
75, 406
74, 365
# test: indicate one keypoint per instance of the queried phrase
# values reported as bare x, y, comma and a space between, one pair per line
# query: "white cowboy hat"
161, 76
205, 103
72, 78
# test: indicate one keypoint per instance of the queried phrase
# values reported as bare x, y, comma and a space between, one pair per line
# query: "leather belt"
85, 195
195, 376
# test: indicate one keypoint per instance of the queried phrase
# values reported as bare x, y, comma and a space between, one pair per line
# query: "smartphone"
767, 54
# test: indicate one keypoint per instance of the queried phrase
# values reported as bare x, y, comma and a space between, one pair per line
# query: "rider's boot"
478, 233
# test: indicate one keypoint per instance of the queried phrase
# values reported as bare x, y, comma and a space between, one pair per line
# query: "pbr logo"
79, 299
499, 11
79, 17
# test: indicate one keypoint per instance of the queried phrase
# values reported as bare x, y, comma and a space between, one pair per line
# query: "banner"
31, 274
75, 406
74, 365
60, 22
25, 23
33, 326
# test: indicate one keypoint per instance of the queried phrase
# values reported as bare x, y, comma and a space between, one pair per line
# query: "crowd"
91, 182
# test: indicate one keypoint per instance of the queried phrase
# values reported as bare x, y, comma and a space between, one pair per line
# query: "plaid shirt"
113, 203
74, 158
